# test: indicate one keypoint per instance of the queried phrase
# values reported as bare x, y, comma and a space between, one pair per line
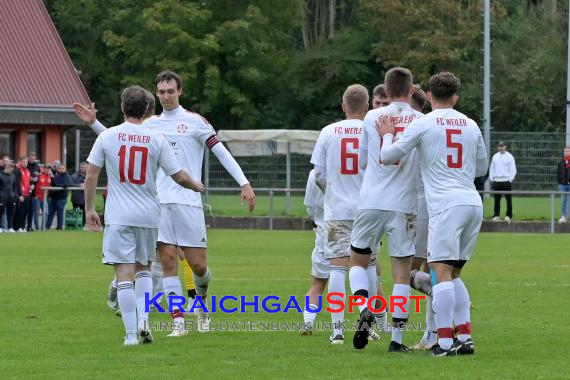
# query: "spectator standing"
44, 180
58, 199
23, 204
34, 168
9, 190
5, 160
77, 196
502, 173
563, 177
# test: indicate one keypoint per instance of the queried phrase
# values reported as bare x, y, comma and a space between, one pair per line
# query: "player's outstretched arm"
88, 115
183, 179
232, 167
91, 216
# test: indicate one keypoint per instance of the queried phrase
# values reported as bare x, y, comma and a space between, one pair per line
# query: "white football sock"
400, 318
421, 281
128, 306
143, 286
337, 285
358, 277
430, 317
172, 286
462, 312
156, 273
309, 318
443, 306
202, 282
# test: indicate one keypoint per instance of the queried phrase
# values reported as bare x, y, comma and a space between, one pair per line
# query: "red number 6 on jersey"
450, 144
143, 151
345, 156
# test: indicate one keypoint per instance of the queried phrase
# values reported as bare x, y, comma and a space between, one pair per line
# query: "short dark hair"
151, 104
379, 90
398, 81
419, 97
443, 85
134, 101
167, 76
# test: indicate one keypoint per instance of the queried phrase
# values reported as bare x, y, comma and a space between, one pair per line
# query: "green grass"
55, 323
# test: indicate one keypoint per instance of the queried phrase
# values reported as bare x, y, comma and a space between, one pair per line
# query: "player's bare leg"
401, 267
359, 284
197, 260
171, 283
317, 289
125, 274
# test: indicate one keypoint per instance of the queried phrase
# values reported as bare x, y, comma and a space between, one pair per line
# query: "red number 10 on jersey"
133, 150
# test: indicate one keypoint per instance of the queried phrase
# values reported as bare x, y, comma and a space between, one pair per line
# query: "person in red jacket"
44, 180
23, 204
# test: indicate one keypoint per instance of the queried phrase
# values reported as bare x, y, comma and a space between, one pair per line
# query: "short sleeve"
97, 155
319, 157
310, 191
167, 160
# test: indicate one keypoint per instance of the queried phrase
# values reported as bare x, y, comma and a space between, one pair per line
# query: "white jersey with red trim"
389, 187
336, 150
188, 133
132, 155
450, 146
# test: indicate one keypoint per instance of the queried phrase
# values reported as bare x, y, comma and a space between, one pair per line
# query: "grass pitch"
55, 323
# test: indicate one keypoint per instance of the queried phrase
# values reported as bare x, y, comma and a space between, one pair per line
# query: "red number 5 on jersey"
345, 156
143, 153
454, 145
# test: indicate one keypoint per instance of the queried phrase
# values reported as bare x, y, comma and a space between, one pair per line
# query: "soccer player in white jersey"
182, 217
132, 154
387, 204
320, 269
338, 174
452, 154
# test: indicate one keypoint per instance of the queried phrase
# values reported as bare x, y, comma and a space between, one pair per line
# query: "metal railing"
271, 192
46, 195
552, 194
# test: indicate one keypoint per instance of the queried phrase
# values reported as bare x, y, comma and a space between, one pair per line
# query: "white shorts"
400, 229
421, 237
320, 267
126, 244
182, 225
453, 233
337, 238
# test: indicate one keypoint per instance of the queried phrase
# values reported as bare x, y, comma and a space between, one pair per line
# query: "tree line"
260, 64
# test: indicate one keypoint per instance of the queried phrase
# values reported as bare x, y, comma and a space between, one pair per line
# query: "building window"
7, 144
35, 144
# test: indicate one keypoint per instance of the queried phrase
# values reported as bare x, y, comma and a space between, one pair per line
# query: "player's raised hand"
88, 115
92, 220
385, 125
248, 195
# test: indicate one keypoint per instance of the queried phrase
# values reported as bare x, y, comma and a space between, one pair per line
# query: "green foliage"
284, 64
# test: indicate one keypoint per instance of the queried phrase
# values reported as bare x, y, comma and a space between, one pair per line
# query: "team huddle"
389, 171
394, 171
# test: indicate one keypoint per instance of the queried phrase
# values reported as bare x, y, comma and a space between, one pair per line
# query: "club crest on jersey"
182, 128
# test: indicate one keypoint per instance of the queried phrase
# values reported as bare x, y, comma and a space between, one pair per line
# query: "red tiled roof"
35, 69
